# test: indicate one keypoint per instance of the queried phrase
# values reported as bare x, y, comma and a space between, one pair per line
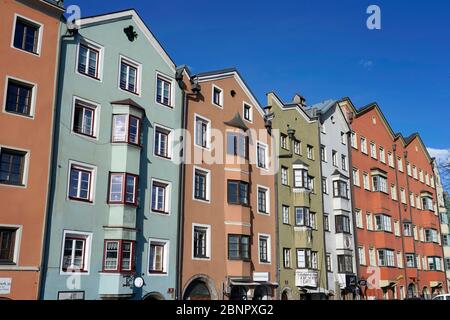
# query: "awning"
435, 284
318, 290
252, 283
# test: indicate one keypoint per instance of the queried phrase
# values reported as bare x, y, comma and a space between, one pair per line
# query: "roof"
129, 102
237, 122
288, 106
131, 13
55, 3
300, 162
338, 173
323, 106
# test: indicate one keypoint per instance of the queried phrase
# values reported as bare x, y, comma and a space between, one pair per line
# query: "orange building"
397, 224
229, 216
28, 71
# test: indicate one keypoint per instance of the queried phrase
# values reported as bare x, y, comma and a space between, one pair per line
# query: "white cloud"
441, 155
366, 64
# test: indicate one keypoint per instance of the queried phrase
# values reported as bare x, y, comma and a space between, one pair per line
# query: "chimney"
299, 99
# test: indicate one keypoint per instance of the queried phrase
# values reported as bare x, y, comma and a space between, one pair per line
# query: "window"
310, 152
75, 255
247, 112
201, 184
397, 228
84, 119
263, 200
201, 240
261, 152
415, 172
301, 178
340, 189
334, 156
88, 60
123, 188
434, 264
311, 183
326, 223
302, 217
7, 245
284, 176
238, 247
408, 168
383, 223
306, 259
344, 162
80, 182
342, 224
362, 256
264, 249
237, 144
356, 177
416, 236
369, 221
403, 195
345, 263
382, 155
202, 132
447, 264
363, 145
129, 76
12, 167
158, 255
427, 203
160, 196
285, 212
399, 260
373, 150
217, 96
444, 218
287, 258
410, 260
431, 235
325, 185
312, 217
283, 142
407, 230
421, 175
386, 258
359, 219
446, 240
126, 128
19, 98
26, 36
394, 192
118, 256
162, 143
366, 181
329, 263
427, 179
323, 153
390, 159
400, 164
343, 138
418, 202
297, 147
163, 91
379, 184
238, 192
372, 257
354, 140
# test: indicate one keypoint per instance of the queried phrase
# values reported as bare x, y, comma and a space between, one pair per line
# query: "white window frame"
269, 248
97, 110
369, 221
18, 237
363, 143
169, 142
87, 252
359, 219
39, 25
26, 167
354, 140
382, 155
288, 221
366, 181
221, 98
391, 160
93, 181
34, 92
169, 79
373, 150
166, 257
101, 55
309, 147
138, 67
267, 192
208, 131
356, 177
167, 197
208, 241
266, 155
208, 184
244, 103
362, 255
400, 164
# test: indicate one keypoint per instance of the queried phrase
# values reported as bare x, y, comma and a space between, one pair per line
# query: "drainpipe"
394, 148
181, 190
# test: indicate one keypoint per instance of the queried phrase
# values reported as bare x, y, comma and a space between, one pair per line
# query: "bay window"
386, 258
301, 178
307, 259
383, 223
345, 263
126, 128
340, 189
118, 256
379, 183
434, 264
238, 247
302, 217
238, 192
342, 224
123, 188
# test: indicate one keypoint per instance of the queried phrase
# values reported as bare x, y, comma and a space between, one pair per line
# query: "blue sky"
319, 48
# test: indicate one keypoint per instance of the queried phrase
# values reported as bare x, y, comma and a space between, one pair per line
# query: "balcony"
306, 278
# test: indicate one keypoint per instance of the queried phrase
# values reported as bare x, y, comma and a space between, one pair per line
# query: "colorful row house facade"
29, 33
114, 206
397, 222
229, 215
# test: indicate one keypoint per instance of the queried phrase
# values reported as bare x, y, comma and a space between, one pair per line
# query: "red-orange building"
29, 33
397, 224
